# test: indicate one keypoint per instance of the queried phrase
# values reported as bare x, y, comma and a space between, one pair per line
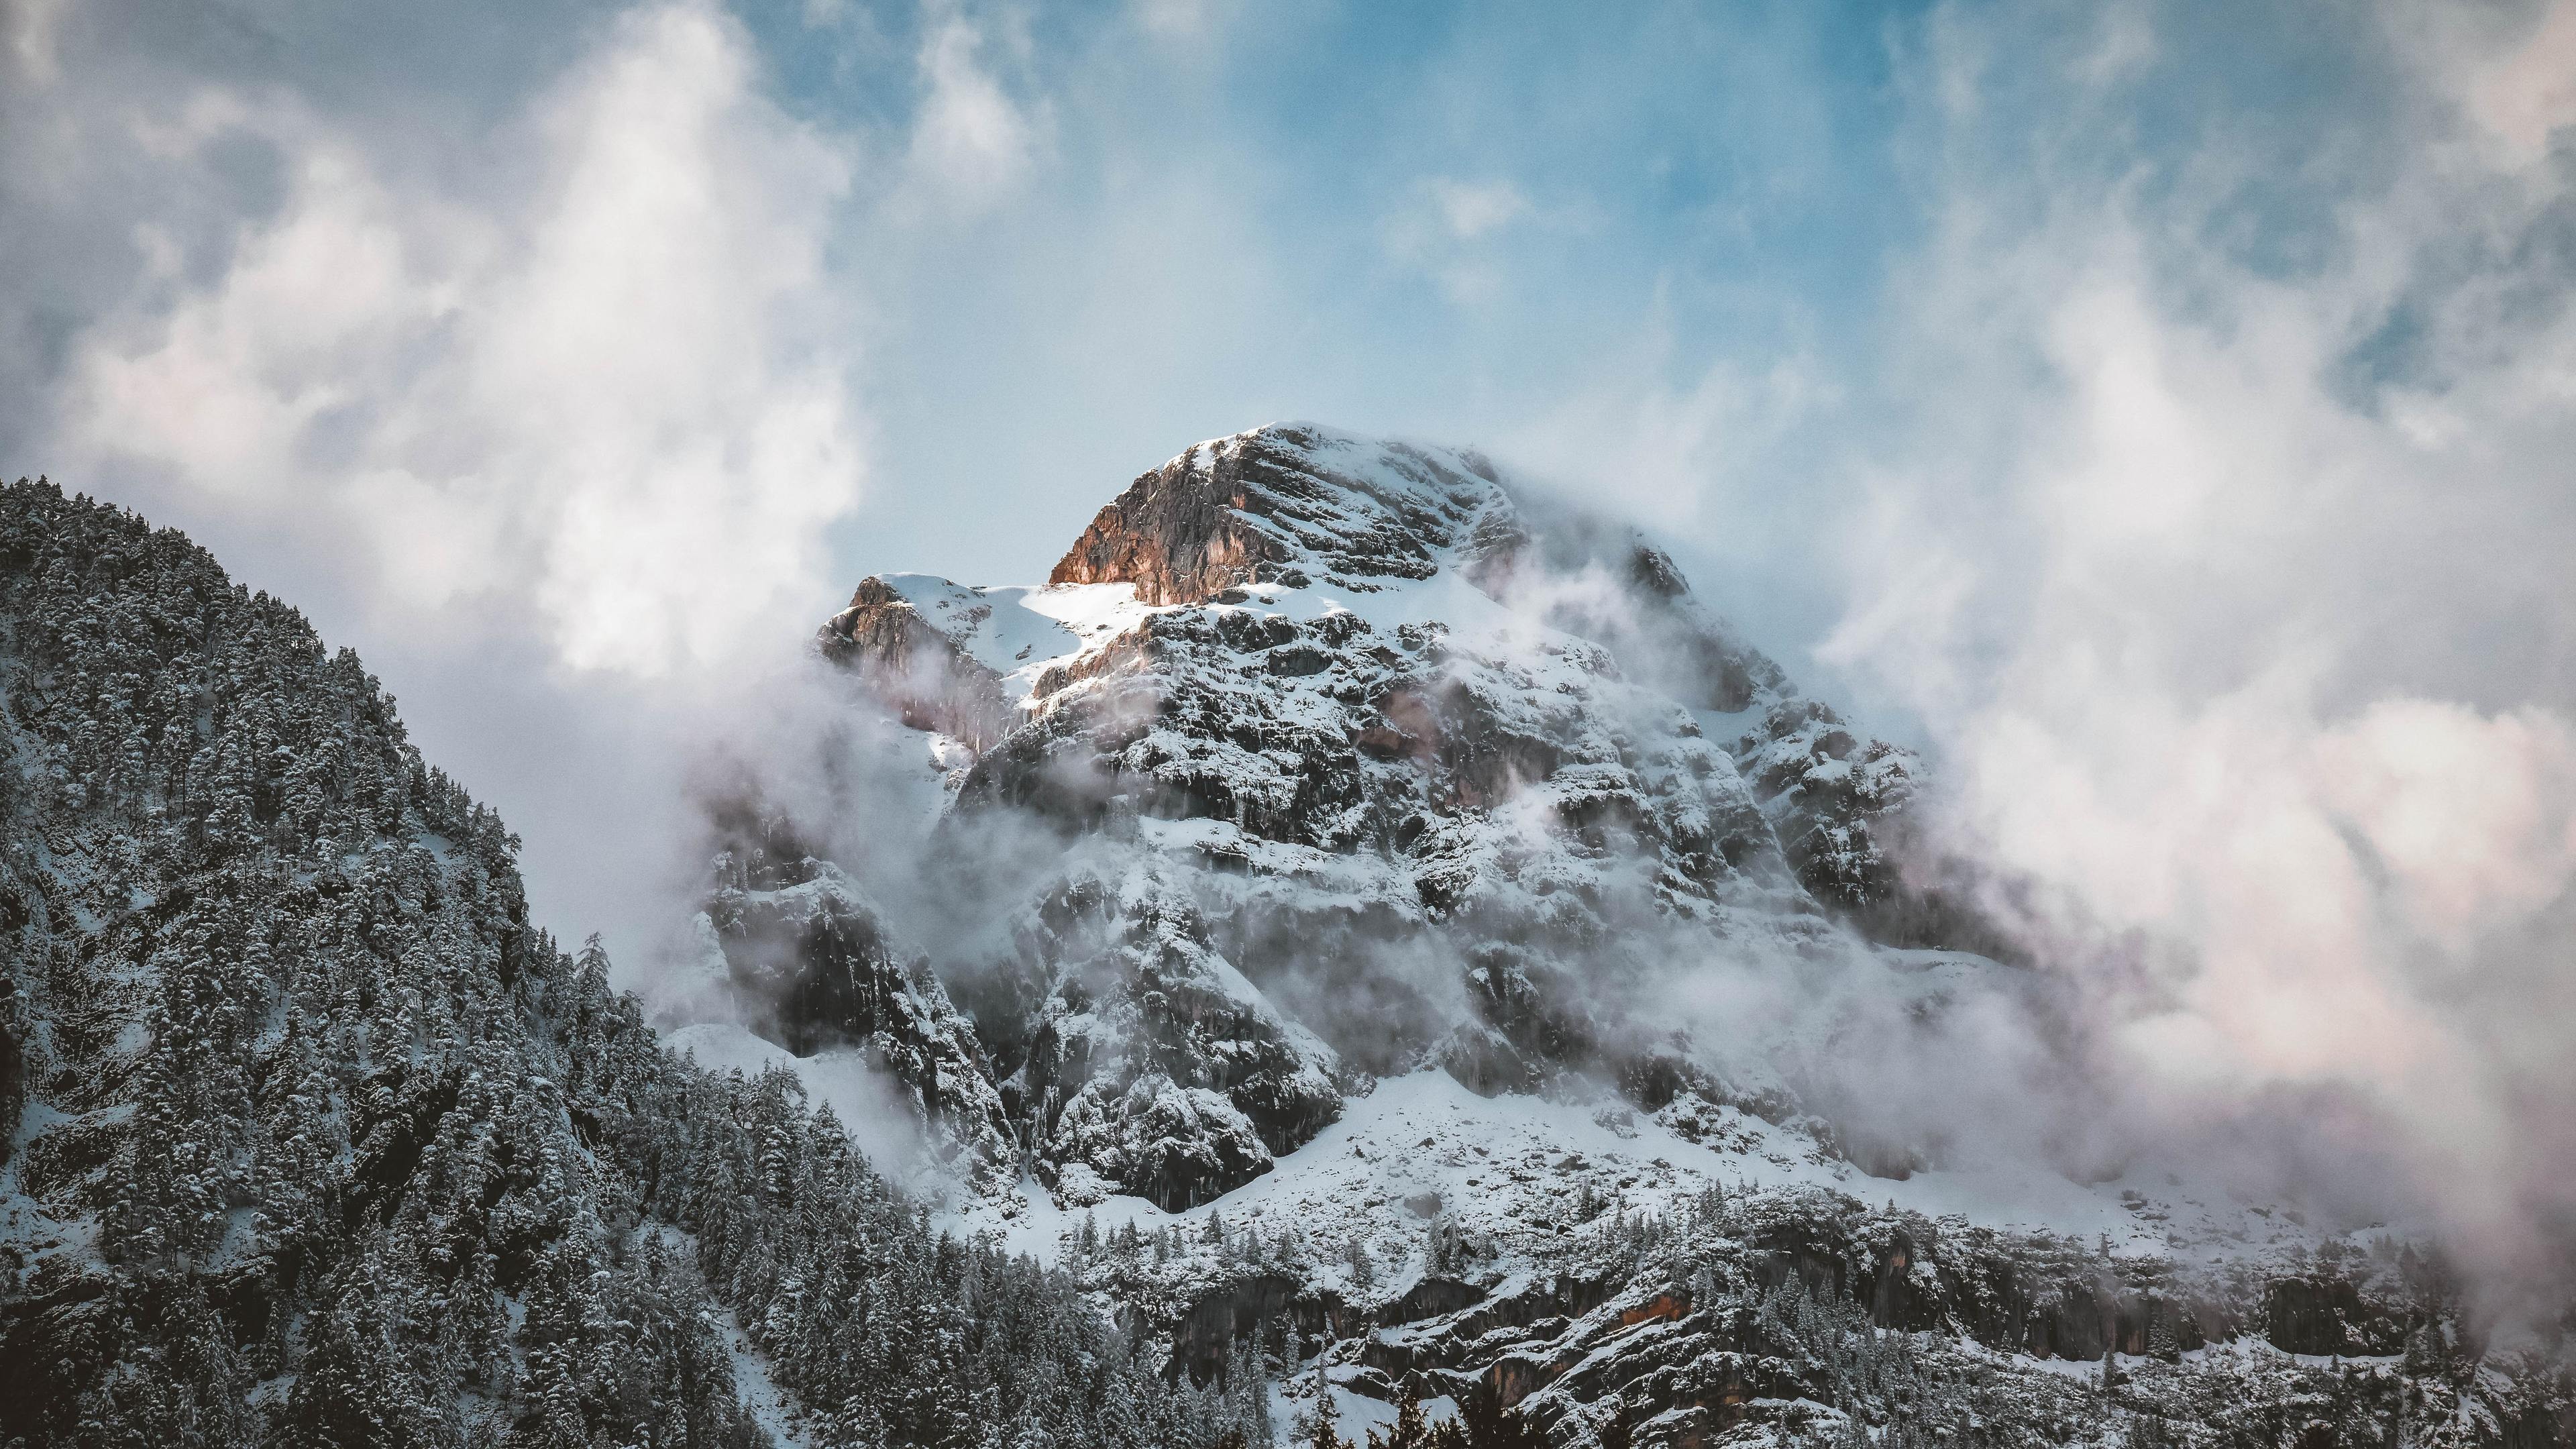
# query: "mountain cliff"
1379, 831
1452, 770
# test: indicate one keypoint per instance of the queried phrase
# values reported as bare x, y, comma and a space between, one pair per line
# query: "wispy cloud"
1449, 229
970, 139
600, 393
1471, 209
2224, 645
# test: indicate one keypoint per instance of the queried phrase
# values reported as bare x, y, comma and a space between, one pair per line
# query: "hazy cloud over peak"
2214, 550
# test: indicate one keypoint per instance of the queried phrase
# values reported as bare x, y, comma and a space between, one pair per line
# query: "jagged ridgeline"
312, 1139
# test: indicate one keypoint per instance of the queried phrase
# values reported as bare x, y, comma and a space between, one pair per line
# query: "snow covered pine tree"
311, 1139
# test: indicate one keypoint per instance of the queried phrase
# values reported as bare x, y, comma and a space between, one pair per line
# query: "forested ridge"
314, 1139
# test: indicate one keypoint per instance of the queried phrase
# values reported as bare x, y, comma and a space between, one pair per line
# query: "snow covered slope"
1437, 932
1354, 766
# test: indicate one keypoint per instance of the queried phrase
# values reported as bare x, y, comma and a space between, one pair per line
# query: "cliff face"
916, 666
812, 967
1364, 727
1178, 534
1276, 502
1152, 1067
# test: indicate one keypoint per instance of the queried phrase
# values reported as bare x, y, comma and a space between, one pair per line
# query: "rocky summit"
1368, 758
1382, 838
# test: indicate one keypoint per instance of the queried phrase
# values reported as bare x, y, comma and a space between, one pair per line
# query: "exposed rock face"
1827, 792
1335, 735
811, 967
916, 667
1271, 504
13, 1065
2324, 1314
1155, 1068
1215, 1322
1840, 803
1178, 534
1428, 758
1759, 1312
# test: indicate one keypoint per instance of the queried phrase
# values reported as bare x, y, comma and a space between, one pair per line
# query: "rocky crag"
1363, 767
1346, 702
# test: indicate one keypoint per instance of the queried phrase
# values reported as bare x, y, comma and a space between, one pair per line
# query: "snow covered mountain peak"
1287, 501
1366, 880
1363, 755
1298, 522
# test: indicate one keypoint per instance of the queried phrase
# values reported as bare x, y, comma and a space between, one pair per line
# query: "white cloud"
1671, 454
1471, 209
31, 26
1449, 229
2124, 46
971, 142
2524, 92
2225, 650
1175, 19
610, 391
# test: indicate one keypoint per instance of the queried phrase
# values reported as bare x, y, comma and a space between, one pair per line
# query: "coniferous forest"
325, 1145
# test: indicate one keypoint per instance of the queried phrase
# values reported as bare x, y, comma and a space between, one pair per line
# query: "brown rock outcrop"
919, 670
1277, 503
1178, 534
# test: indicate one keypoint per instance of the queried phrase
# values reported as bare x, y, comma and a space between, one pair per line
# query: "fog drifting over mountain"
2195, 491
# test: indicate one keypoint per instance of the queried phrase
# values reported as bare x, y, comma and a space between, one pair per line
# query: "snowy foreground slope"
1365, 918
308, 1138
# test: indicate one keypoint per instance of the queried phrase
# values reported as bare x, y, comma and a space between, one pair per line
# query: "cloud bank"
2222, 555
597, 390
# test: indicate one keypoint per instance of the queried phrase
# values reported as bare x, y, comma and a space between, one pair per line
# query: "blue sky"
1426, 227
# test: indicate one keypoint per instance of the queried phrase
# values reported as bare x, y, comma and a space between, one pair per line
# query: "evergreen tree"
372, 1161
1317, 1431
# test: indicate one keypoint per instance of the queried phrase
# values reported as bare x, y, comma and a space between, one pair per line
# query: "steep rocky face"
1401, 744
1178, 534
1336, 735
1274, 503
811, 967
917, 666
1140, 1059
1826, 790
1839, 805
